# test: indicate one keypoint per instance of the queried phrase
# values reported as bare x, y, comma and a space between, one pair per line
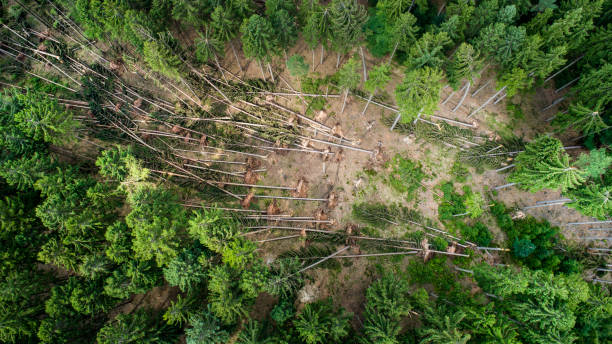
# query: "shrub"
478, 233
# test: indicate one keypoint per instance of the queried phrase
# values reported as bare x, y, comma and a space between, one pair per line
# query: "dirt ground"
345, 176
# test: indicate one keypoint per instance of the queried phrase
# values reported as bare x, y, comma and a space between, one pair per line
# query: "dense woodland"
132, 161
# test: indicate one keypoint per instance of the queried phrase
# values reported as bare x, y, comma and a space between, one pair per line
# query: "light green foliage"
445, 329
178, 311
419, 92
186, 270
544, 164
155, 218
319, 323
347, 20
212, 228
207, 45
133, 277
119, 242
22, 173
595, 87
160, 58
592, 200
205, 328
225, 25
113, 163
297, 66
138, 327
318, 26
388, 296
251, 334
474, 204
348, 75
232, 291
95, 266
406, 176
582, 118
42, 118
465, 64
404, 31
378, 77
428, 50
545, 303
189, 11
238, 253
258, 40
595, 163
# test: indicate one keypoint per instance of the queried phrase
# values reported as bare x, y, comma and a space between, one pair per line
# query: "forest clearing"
303, 172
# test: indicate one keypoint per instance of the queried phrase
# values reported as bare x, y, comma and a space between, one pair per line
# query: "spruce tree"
258, 39
419, 92
318, 28
544, 164
347, 20
404, 31
592, 200
584, 119
465, 64
378, 78
348, 78
428, 50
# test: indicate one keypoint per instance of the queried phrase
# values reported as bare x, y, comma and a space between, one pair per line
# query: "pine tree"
186, 270
502, 42
595, 87
445, 329
348, 78
138, 327
283, 22
582, 118
544, 164
419, 92
592, 200
379, 77
178, 311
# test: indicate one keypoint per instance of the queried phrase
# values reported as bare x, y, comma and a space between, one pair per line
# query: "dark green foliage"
347, 20
478, 233
549, 305
320, 323
187, 270
138, 327
282, 311
205, 328
258, 39
533, 242
452, 203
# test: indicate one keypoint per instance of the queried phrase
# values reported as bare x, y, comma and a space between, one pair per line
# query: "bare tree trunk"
322, 53
467, 89
399, 115
344, 102
564, 68
338, 61
271, 74
262, 70
286, 58
313, 60
393, 52
236, 57
219, 67
368, 103
487, 102
480, 88
365, 72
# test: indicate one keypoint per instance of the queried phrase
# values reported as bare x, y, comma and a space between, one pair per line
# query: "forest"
306, 171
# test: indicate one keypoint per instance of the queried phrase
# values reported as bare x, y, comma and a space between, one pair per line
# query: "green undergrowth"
406, 176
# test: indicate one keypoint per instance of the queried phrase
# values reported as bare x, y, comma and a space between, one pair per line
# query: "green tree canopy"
419, 92
258, 38
347, 20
